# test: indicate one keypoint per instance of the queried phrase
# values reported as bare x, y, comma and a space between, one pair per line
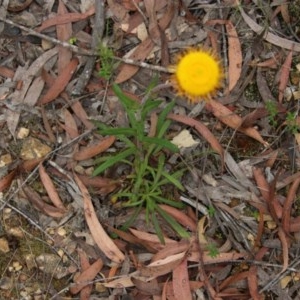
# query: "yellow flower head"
197, 74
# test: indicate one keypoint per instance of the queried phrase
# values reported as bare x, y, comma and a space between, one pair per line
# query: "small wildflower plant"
197, 74
144, 186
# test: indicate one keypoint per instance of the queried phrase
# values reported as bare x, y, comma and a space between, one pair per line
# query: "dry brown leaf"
95, 149
66, 18
287, 206
86, 276
234, 55
45, 208
80, 112
232, 120
64, 33
284, 75
253, 283
70, 125
285, 248
6, 181
162, 266
203, 130
105, 185
6, 72
172, 249
181, 283
50, 188
152, 238
99, 235
60, 82
148, 287
85, 293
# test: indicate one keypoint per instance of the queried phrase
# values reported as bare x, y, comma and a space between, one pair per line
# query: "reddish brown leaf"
284, 75
93, 150
70, 125
60, 82
181, 284
6, 72
287, 206
234, 55
64, 33
253, 284
86, 276
45, 208
285, 248
203, 130
6, 181
162, 266
101, 238
66, 18
50, 188
232, 120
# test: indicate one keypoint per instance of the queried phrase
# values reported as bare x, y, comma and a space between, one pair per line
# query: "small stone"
6, 283
16, 232
17, 266
33, 148
61, 231
4, 246
5, 160
23, 133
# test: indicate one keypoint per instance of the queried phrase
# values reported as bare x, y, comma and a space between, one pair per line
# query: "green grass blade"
157, 228
160, 142
172, 179
163, 115
114, 160
169, 202
149, 106
118, 131
173, 223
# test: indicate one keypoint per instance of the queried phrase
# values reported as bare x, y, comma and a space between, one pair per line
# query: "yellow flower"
197, 74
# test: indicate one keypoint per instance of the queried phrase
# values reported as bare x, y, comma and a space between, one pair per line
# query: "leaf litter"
61, 227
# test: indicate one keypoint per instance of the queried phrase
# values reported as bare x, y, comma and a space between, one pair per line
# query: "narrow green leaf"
163, 115
157, 228
149, 106
173, 223
113, 160
118, 131
169, 202
160, 142
172, 179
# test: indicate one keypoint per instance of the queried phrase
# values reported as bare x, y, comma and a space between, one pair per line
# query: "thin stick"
85, 52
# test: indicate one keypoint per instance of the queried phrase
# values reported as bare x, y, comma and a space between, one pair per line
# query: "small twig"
85, 52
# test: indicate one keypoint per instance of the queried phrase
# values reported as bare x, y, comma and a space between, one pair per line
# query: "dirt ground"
124, 175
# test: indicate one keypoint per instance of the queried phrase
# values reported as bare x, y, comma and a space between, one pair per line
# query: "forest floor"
120, 181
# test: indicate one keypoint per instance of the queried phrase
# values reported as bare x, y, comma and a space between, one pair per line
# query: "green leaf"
149, 106
169, 202
125, 100
163, 115
172, 179
157, 228
114, 160
160, 142
173, 223
118, 131
160, 167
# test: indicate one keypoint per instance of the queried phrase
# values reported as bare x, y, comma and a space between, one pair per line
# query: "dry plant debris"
87, 97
